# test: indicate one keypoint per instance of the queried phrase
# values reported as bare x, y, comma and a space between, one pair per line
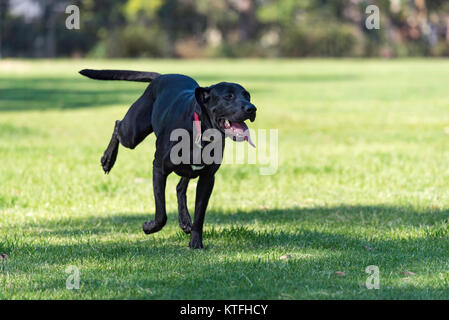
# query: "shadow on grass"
223, 230
61, 93
381, 216
277, 78
245, 269
24, 94
295, 279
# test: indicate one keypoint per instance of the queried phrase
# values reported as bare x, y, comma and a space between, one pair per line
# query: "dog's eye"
229, 96
246, 95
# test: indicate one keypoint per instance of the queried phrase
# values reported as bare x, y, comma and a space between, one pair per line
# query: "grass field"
362, 180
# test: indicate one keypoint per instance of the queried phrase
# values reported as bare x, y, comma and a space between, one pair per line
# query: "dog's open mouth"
237, 131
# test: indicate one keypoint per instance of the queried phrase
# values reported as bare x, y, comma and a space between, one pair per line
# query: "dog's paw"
196, 245
109, 157
196, 241
110, 154
151, 227
187, 228
105, 163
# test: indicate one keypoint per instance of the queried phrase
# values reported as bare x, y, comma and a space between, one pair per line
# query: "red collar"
198, 129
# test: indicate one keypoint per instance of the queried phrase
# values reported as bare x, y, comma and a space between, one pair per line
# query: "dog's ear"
202, 95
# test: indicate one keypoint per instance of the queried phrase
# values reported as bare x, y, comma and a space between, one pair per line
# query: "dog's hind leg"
110, 154
136, 125
160, 218
185, 222
129, 132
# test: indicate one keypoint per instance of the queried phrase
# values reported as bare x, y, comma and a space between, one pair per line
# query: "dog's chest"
190, 170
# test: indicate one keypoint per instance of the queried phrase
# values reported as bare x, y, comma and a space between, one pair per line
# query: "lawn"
362, 180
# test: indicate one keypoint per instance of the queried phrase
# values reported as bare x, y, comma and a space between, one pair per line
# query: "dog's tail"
140, 76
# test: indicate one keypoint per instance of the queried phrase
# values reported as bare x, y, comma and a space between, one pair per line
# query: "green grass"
362, 180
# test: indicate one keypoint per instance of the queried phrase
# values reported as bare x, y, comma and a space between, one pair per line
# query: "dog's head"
228, 106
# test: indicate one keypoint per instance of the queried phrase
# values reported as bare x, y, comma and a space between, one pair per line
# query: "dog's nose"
250, 109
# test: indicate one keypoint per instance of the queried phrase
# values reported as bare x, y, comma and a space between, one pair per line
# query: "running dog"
171, 102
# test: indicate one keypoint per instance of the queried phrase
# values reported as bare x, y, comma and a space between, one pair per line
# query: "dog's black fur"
169, 103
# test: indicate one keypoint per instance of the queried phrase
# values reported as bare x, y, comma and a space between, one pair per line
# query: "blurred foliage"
229, 28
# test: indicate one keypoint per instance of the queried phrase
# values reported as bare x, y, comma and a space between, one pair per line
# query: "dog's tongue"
239, 131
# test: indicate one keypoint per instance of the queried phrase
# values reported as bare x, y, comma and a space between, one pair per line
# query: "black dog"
172, 102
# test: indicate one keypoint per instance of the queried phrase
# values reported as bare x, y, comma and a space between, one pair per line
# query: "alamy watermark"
73, 20
373, 20
73, 280
206, 149
373, 281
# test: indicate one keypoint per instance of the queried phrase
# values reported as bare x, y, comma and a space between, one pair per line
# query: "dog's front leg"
160, 218
203, 192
